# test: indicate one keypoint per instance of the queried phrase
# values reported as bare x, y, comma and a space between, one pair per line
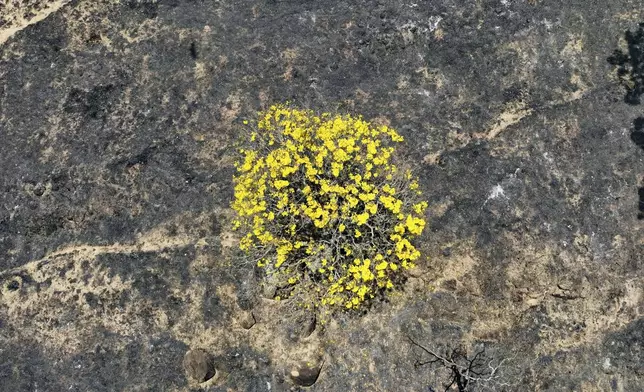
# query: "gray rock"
247, 320
306, 373
269, 290
199, 365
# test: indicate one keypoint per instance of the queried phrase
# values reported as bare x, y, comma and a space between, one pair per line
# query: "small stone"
306, 373
198, 365
39, 189
607, 367
247, 320
269, 291
565, 285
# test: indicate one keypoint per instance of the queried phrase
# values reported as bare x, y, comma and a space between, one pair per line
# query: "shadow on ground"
630, 69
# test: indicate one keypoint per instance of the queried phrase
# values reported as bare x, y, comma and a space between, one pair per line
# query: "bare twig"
466, 373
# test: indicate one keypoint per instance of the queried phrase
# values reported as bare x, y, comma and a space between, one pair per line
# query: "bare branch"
466, 373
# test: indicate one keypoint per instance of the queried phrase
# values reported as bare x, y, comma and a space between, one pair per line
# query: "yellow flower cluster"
322, 206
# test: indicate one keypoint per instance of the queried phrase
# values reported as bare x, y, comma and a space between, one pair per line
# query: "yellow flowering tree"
324, 209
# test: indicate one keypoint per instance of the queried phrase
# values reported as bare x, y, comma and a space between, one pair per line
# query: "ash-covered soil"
117, 125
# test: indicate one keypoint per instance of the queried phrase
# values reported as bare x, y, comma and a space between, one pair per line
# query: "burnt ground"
117, 125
